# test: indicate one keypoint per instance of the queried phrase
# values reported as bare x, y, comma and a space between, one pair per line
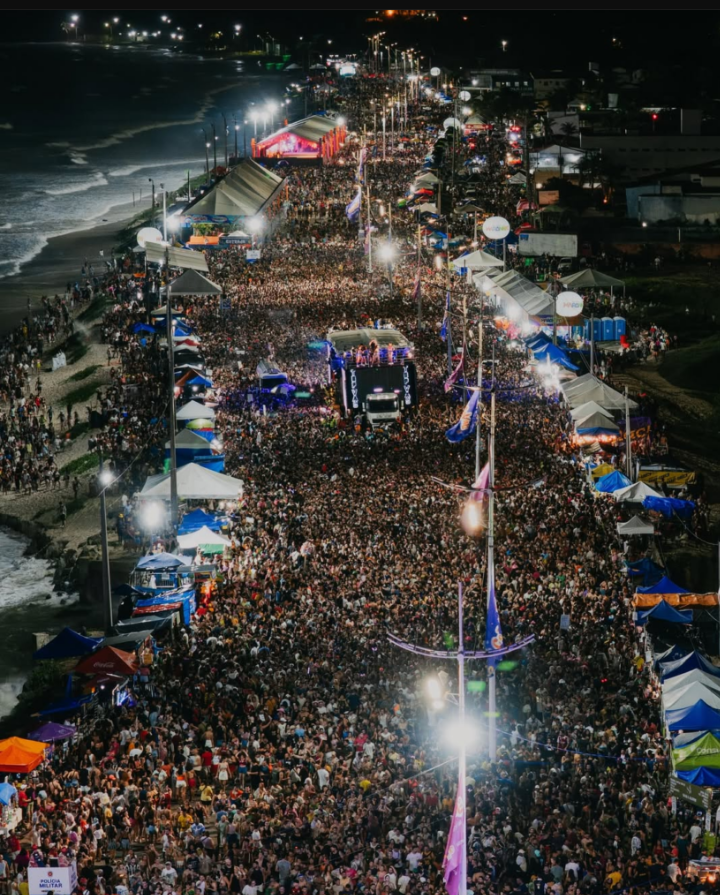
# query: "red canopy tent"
109, 660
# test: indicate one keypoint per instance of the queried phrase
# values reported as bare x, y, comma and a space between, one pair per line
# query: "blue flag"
352, 210
493, 631
446, 318
466, 424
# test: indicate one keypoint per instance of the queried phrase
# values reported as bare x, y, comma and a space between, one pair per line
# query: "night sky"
548, 40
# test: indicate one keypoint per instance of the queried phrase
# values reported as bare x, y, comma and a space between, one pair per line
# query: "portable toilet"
620, 328
608, 329
596, 324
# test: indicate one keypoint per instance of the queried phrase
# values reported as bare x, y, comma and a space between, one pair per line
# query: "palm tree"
568, 129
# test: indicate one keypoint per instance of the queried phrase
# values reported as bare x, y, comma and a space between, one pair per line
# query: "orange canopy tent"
109, 660
18, 756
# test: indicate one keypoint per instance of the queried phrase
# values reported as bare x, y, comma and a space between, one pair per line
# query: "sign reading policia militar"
688, 792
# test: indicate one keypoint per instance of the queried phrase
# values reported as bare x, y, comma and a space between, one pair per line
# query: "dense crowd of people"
281, 745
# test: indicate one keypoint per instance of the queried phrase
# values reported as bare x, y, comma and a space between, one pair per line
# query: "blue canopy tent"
196, 520
664, 612
201, 380
663, 586
67, 706
596, 424
650, 571
613, 481
159, 562
670, 506
555, 355
143, 328
700, 716
671, 655
67, 644
700, 776
7, 791
688, 663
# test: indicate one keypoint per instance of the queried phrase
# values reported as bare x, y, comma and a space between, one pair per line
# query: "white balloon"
569, 304
496, 228
148, 234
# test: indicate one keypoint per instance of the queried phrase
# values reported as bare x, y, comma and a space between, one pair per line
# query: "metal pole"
164, 194
475, 231
171, 375
237, 128
628, 438
462, 773
226, 140
492, 698
478, 439
106, 580
214, 149
419, 284
383, 134
505, 254
369, 236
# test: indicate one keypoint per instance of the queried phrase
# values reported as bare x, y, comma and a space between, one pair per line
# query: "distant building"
686, 195
642, 155
556, 161
486, 80
546, 84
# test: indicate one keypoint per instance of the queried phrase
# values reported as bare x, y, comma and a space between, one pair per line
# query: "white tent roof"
601, 393
596, 420
573, 384
687, 696
635, 526
428, 178
427, 206
513, 287
584, 410
194, 410
186, 438
200, 537
478, 260
194, 482
636, 493
696, 676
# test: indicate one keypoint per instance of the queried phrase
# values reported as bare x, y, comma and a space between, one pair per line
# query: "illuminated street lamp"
74, 22
105, 479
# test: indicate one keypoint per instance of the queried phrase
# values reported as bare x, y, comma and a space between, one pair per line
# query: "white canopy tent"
584, 410
634, 528
201, 537
521, 299
186, 439
427, 178
194, 410
573, 385
597, 420
696, 676
602, 394
635, 493
194, 482
477, 260
687, 696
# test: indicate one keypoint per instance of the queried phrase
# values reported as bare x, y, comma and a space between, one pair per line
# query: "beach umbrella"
51, 732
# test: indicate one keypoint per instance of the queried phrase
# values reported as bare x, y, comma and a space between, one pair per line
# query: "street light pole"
106, 580
237, 128
207, 146
171, 376
214, 146
492, 695
226, 139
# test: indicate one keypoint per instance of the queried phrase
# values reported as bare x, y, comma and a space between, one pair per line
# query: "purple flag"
455, 853
454, 376
480, 485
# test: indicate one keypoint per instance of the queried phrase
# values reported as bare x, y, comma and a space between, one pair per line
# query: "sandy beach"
59, 262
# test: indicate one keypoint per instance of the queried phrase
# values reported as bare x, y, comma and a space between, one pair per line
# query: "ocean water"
82, 128
28, 603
